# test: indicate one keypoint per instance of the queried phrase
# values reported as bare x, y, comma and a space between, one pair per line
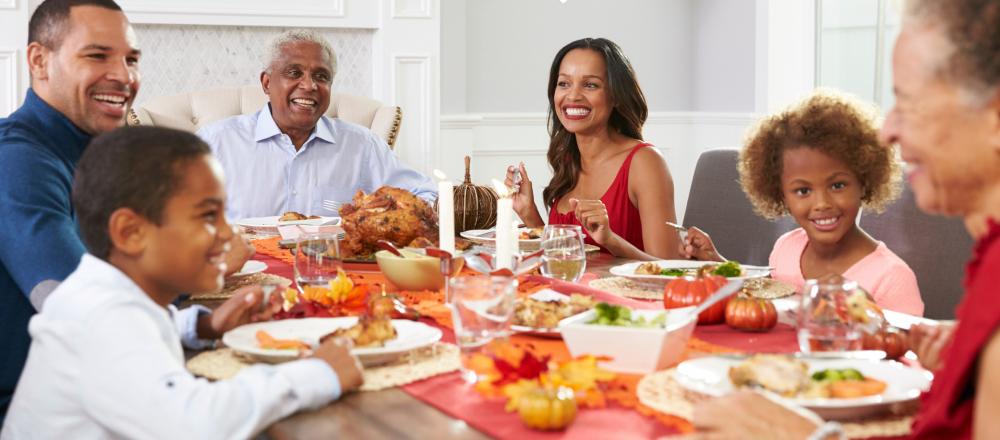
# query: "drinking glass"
564, 256
481, 310
317, 258
825, 322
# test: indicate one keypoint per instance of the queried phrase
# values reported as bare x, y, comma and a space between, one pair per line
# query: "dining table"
440, 408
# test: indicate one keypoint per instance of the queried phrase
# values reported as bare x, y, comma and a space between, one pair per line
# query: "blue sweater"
39, 240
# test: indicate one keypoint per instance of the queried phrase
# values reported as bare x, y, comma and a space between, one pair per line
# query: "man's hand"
240, 250
242, 308
336, 352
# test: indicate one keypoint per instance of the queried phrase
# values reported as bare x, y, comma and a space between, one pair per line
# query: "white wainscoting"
496, 140
9, 92
303, 13
411, 86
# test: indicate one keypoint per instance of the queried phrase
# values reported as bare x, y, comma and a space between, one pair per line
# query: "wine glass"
317, 259
563, 254
482, 308
825, 321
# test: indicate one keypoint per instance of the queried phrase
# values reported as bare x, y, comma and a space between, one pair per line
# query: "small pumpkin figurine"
547, 409
747, 313
691, 291
475, 205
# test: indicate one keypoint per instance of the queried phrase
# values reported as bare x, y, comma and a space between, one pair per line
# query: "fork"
332, 205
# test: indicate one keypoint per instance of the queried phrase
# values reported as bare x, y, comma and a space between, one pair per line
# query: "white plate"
488, 236
710, 376
411, 335
544, 295
628, 270
250, 267
271, 223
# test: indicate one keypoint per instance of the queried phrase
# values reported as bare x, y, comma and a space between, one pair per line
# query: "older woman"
946, 71
605, 177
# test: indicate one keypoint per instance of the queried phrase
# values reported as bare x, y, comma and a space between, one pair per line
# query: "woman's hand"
750, 415
698, 245
928, 342
524, 196
594, 217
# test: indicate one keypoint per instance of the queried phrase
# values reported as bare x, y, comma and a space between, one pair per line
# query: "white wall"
510, 45
723, 58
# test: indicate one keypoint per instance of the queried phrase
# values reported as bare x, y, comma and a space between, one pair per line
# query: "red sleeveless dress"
623, 216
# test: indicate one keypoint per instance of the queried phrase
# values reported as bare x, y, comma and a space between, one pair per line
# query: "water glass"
824, 321
564, 256
317, 259
481, 310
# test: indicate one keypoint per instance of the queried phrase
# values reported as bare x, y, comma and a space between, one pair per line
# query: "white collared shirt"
266, 176
106, 362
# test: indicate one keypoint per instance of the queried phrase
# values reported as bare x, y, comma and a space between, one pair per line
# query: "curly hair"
834, 124
972, 28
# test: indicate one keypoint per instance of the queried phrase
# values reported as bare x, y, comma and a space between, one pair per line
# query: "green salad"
673, 272
607, 314
729, 269
836, 375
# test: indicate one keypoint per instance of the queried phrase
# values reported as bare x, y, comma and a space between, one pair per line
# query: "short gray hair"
277, 46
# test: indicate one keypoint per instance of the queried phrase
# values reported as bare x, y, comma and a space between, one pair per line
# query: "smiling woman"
596, 114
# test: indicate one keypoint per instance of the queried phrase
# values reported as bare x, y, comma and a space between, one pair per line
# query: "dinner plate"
251, 267
710, 376
270, 224
411, 335
544, 295
628, 270
488, 237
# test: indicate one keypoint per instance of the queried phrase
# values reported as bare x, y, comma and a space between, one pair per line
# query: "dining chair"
717, 205
935, 247
190, 111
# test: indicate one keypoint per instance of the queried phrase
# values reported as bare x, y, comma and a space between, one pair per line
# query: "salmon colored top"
882, 273
623, 216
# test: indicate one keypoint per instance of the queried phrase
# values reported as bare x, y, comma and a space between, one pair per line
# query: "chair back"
935, 247
718, 206
191, 111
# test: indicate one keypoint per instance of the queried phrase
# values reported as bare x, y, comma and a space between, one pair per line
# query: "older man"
288, 156
946, 121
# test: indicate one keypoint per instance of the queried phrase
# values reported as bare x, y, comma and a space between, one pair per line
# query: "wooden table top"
391, 413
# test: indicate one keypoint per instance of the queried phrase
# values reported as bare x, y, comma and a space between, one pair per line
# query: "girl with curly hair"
821, 161
605, 177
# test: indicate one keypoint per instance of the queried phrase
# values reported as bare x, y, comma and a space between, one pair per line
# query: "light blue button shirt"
265, 175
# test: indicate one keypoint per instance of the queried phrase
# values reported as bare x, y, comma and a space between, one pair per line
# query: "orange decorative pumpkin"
747, 313
691, 291
547, 409
890, 340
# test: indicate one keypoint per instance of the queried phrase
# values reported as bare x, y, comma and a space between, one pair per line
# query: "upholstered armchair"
190, 111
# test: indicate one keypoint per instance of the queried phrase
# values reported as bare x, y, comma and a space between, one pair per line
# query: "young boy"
106, 359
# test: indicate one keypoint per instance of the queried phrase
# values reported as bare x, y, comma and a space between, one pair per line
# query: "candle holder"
485, 263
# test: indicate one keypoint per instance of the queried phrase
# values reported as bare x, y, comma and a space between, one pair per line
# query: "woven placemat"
628, 288
233, 284
417, 365
662, 393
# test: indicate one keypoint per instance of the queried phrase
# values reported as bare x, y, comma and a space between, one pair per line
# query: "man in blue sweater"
83, 60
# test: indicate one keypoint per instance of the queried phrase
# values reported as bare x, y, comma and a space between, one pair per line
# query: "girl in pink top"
821, 162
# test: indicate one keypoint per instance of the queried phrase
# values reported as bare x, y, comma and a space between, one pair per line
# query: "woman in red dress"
605, 177
946, 121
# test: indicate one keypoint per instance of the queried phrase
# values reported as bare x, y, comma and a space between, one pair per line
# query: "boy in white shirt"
106, 358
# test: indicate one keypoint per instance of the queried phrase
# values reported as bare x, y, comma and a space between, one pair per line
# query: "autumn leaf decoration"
511, 372
341, 297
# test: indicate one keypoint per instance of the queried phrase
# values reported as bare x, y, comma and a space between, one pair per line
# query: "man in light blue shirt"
288, 156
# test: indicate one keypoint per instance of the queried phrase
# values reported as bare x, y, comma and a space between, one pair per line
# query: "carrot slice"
268, 342
849, 389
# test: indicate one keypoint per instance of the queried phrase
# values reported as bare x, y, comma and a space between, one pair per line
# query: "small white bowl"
631, 349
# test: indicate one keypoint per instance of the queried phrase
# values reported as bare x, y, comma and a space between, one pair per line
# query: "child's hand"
240, 250
336, 352
928, 342
698, 245
242, 308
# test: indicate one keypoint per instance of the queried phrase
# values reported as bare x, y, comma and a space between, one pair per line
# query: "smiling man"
288, 156
83, 59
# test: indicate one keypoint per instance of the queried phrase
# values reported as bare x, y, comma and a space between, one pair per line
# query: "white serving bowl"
631, 349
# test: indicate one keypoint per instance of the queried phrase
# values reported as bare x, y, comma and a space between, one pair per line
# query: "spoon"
387, 245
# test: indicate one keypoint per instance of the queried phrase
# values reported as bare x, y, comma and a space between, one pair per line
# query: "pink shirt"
882, 273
